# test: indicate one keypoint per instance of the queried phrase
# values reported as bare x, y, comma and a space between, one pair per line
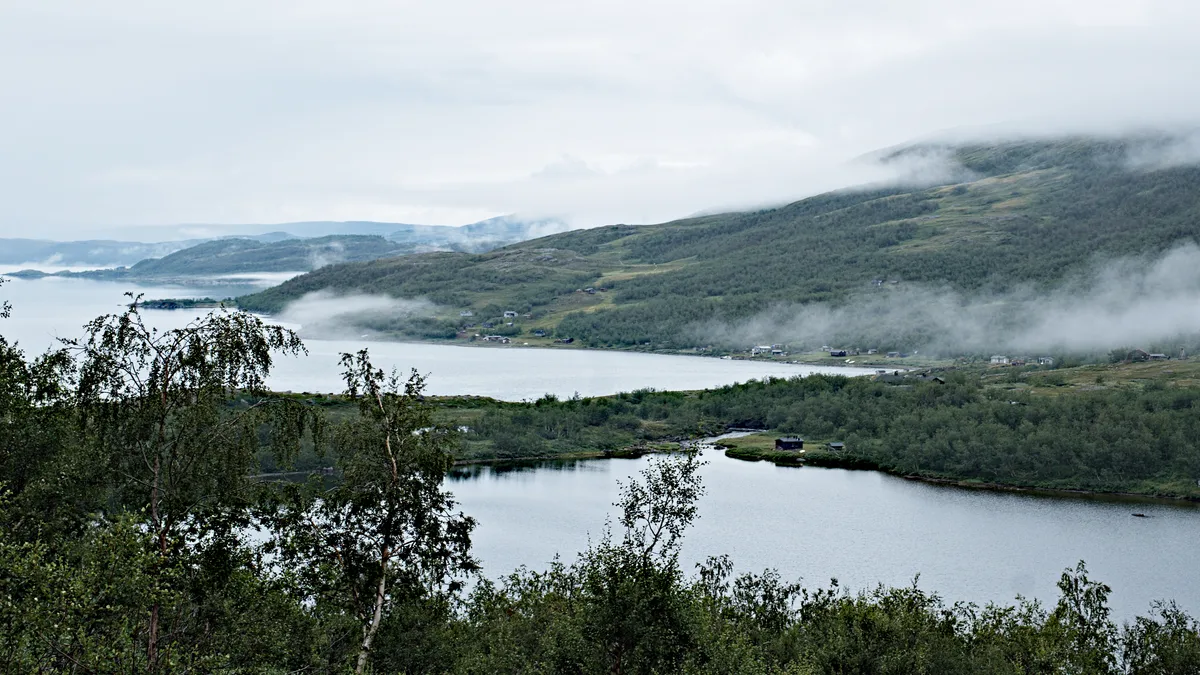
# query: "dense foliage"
1120, 439
132, 539
1014, 213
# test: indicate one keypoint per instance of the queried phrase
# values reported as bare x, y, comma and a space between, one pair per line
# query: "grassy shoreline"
750, 450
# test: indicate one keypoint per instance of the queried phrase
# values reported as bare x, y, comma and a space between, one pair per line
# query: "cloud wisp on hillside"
327, 315
1128, 302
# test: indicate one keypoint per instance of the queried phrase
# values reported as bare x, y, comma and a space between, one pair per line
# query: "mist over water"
47, 309
1127, 302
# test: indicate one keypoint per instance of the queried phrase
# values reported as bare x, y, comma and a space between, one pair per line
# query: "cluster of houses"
833, 351
1143, 355
767, 350
781, 350
1002, 360
501, 339
509, 316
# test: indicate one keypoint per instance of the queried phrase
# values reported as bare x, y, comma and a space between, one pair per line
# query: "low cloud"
916, 166
1151, 303
1173, 151
327, 315
329, 254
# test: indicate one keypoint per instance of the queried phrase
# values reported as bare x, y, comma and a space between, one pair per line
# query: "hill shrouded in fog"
979, 218
996, 217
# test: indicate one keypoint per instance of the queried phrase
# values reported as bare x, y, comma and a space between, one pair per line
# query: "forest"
137, 536
1027, 429
1028, 214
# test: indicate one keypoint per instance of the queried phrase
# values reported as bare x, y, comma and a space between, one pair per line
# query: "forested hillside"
1024, 212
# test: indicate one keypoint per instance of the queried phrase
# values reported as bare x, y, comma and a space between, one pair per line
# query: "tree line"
957, 426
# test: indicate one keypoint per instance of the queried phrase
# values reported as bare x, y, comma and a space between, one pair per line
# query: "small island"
187, 303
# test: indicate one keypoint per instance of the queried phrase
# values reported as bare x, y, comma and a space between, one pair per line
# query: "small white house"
999, 360
760, 349
466, 313
510, 314
1045, 361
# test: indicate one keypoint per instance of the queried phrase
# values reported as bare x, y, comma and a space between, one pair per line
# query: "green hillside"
1029, 212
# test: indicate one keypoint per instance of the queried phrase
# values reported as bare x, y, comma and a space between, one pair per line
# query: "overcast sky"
128, 112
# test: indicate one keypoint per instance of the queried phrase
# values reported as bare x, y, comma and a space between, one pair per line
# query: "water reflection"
467, 472
860, 527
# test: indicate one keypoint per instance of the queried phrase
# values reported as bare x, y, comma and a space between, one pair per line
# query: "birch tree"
385, 532
176, 416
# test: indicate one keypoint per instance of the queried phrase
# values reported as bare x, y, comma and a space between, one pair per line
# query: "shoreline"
960, 483
956, 483
856, 464
1177, 500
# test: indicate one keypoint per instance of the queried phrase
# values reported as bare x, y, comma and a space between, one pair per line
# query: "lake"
860, 527
52, 307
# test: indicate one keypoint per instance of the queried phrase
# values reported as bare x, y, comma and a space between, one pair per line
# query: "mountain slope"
1027, 213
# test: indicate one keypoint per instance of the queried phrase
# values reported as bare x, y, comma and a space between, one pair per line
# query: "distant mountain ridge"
238, 256
87, 253
243, 256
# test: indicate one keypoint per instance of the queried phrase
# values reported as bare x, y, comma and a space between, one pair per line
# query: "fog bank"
327, 315
1130, 302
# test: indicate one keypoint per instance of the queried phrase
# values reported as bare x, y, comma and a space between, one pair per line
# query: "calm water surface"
861, 527
44, 309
